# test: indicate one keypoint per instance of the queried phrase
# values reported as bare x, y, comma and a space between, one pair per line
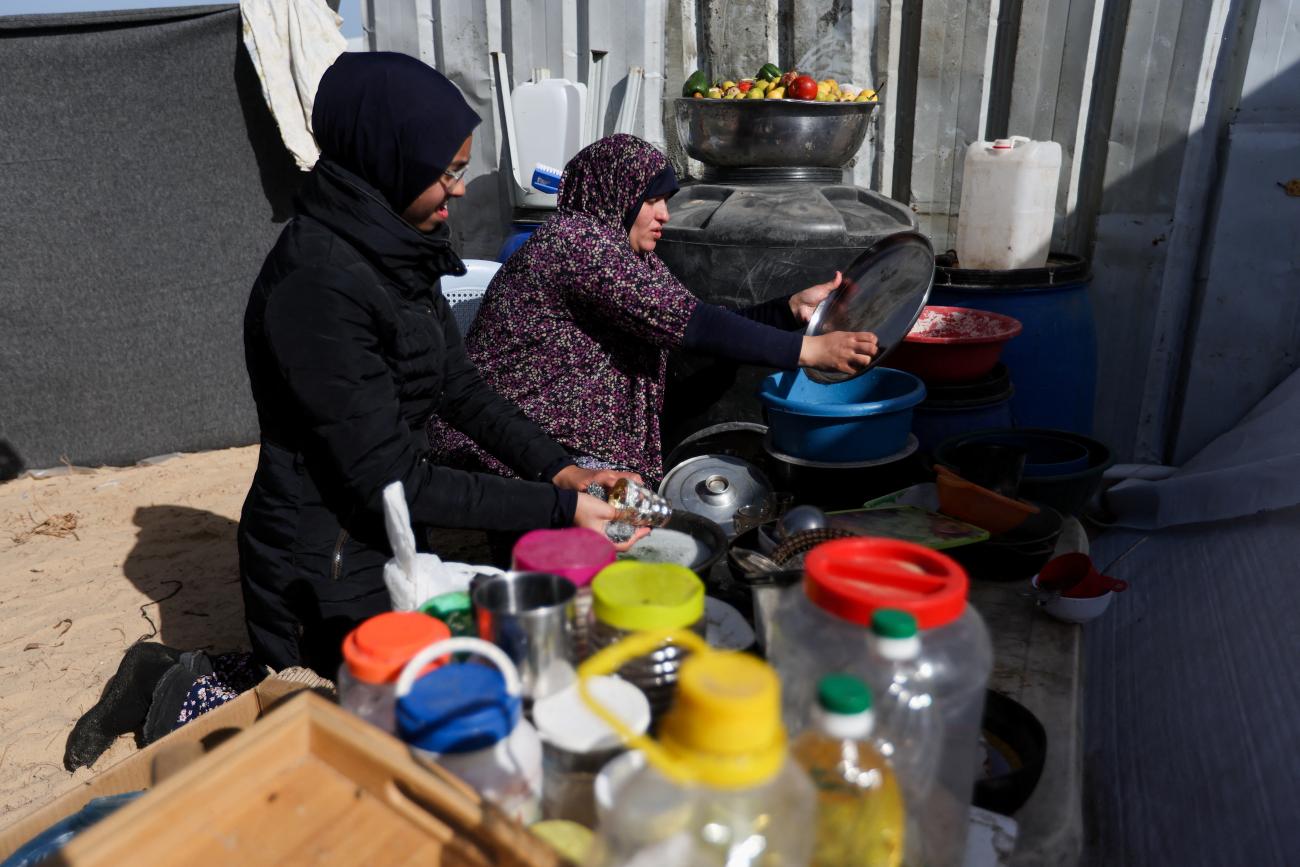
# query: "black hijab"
392, 120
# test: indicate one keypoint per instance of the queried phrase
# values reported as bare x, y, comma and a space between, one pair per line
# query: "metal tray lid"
715, 486
884, 291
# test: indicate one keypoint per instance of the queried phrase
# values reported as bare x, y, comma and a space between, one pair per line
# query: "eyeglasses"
453, 176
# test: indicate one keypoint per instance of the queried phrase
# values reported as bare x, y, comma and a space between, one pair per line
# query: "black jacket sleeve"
323, 339
717, 331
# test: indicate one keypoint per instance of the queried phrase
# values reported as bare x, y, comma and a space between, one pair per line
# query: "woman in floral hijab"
576, 327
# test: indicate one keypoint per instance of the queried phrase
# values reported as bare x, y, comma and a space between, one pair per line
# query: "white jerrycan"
1008, 203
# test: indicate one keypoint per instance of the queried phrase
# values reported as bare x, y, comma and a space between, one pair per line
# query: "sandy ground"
90, 563
93, 561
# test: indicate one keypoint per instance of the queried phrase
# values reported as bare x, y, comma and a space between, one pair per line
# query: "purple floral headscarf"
575, 329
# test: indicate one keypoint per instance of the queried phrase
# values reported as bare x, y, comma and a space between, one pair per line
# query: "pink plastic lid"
575, 553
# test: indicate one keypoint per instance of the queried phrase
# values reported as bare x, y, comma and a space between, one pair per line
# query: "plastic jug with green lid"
860, 816
719, 787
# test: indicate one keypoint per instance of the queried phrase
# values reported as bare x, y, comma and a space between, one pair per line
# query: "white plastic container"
549, 120
823, 627
468, 718
1008, 203
577, 744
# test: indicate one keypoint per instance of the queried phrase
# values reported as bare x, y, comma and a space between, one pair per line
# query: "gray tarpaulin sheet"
142, 181
1254, 467
1192, 706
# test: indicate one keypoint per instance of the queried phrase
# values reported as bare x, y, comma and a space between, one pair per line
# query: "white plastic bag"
414, 578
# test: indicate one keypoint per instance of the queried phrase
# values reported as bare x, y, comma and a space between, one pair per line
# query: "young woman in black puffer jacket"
351, 348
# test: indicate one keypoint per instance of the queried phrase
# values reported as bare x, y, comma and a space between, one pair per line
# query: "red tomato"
745, 85
803, 87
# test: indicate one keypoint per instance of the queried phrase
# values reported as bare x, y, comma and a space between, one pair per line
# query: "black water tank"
742, 243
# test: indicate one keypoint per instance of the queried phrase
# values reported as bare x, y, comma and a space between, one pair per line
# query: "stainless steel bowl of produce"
744, 133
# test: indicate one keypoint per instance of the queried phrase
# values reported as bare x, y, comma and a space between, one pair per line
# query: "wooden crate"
310, 784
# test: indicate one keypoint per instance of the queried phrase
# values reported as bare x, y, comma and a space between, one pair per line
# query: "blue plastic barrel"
515, 238
1053, 362
523, 222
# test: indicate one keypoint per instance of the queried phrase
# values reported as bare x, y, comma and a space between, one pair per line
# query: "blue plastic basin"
861, 419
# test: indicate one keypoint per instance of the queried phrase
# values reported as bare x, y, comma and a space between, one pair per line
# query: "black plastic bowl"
1069, 493
1017, 744
704, 531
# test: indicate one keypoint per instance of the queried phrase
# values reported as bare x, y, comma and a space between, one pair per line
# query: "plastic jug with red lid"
823, 626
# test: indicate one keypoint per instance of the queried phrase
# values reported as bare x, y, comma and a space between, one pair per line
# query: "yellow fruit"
715, 93
754, 93
823, 88
775, 93
732, 92
866, 96
727, 85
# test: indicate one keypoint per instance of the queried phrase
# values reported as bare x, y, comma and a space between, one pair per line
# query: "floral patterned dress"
575, 329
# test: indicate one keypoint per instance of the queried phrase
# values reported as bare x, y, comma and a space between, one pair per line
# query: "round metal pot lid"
884, 291
715, 486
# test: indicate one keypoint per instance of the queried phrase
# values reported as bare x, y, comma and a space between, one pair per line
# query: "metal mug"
529, 615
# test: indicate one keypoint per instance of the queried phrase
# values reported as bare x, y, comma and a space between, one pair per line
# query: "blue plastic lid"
546, 179
457, 709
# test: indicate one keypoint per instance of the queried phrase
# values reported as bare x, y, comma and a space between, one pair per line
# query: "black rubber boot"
169, 695
123, 705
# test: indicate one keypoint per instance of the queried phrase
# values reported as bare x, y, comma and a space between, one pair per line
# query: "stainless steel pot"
749, 133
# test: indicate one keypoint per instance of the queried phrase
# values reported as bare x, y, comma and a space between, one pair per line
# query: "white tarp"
1253, 468
292, 43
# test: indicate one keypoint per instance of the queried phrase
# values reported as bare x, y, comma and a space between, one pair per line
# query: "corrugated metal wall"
1139, 93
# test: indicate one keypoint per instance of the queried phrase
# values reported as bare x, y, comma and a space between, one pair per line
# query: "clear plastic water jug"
720, 787
823, 627
468, 718
1008, 203
373, 656
860, 818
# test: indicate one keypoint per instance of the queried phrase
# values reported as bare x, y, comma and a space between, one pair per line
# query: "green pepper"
697, 83
769, 72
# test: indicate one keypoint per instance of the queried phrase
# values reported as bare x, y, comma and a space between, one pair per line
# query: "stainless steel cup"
530, 616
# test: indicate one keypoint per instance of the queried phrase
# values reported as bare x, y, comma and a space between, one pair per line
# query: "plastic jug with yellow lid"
719, 787
630, 597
